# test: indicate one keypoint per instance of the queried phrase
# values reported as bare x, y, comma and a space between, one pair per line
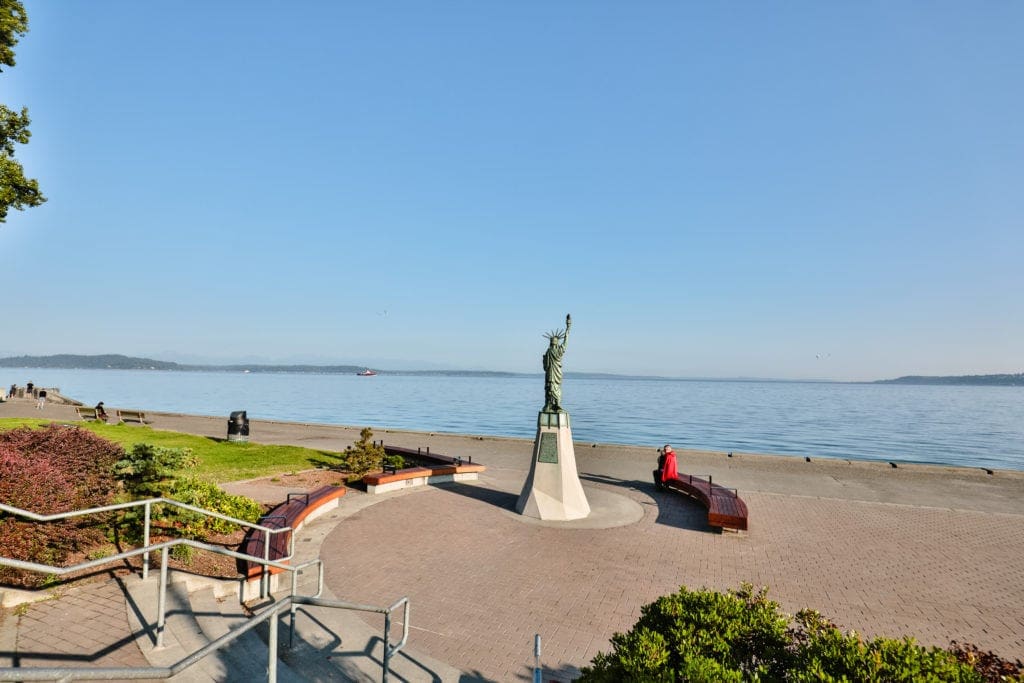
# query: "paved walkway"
932, 552
78, 626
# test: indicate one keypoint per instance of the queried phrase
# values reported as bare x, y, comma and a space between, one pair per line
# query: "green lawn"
219, 461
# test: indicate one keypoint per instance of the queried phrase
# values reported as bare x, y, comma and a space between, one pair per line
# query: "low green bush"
209, 496
149, 471
699, 636
707, 636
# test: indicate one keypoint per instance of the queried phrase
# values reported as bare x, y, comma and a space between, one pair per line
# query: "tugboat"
366, 373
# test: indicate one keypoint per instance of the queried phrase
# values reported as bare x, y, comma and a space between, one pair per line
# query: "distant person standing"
41, 403
14, 390
28, 388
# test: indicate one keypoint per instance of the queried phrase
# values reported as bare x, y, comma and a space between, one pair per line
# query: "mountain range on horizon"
121, 362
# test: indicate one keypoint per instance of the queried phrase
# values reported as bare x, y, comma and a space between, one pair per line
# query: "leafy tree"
16, 191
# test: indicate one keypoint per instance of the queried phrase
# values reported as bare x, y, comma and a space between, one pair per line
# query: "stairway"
196, 618
328, 644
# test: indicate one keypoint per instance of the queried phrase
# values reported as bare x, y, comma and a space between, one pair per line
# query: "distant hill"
103, 362
67, 361
976, 380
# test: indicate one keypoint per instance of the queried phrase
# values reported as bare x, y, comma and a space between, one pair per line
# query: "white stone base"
552, 490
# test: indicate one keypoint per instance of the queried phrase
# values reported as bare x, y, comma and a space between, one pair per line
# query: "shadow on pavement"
674, 508
500, 499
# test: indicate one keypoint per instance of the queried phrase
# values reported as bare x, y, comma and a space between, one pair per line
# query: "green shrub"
209, 496
364, 455
827, 654
699, 636
183, 553
707, 636
149, 471
396, 461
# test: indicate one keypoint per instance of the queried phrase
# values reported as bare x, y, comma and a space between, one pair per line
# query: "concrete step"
182, 634
247, 657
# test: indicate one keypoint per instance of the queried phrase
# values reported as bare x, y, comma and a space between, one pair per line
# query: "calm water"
971, 426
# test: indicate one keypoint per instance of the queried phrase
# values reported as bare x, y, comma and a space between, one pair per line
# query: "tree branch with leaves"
16, 191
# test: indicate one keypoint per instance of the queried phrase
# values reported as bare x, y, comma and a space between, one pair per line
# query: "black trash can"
238, 426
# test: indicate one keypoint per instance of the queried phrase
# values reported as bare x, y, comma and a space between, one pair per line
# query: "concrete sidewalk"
932, 552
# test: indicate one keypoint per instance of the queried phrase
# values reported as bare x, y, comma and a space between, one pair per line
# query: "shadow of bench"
726, 510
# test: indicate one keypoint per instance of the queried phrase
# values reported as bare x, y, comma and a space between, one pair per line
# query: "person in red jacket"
670, 470
667, 467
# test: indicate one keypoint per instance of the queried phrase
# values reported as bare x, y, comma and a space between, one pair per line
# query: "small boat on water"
366, 373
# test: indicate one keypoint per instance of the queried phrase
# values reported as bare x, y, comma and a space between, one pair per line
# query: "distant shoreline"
121, 362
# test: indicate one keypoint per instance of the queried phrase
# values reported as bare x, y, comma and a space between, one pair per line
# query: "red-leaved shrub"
56, 469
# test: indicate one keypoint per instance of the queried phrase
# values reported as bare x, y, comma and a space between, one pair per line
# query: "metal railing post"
145, 535
272, 649
291, 611
537, 671
387, 645
265, 574
161, 605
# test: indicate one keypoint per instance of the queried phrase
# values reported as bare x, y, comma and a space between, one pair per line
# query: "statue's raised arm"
568, 324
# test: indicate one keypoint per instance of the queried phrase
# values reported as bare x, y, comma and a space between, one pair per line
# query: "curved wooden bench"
437, 469
294, 512
726, 510
383, 482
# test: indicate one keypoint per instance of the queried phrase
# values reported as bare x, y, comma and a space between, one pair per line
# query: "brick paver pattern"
483, 582
86, 627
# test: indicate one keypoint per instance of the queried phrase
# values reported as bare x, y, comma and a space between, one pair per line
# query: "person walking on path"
41, 403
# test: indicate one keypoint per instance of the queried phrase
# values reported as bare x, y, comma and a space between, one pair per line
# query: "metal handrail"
148, 505
267, 614
389, 650
289, 602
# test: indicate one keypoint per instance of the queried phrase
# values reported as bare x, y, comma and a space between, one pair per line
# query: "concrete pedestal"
553, 490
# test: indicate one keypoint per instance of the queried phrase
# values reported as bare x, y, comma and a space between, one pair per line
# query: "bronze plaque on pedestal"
548, 451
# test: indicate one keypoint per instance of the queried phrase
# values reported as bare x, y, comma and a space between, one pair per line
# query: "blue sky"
789, 190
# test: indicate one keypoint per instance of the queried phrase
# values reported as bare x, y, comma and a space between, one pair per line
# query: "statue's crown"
555, 334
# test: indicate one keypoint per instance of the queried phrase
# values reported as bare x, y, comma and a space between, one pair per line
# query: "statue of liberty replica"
553, 367
552, 490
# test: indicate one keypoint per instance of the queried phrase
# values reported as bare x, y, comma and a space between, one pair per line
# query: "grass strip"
219, 461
